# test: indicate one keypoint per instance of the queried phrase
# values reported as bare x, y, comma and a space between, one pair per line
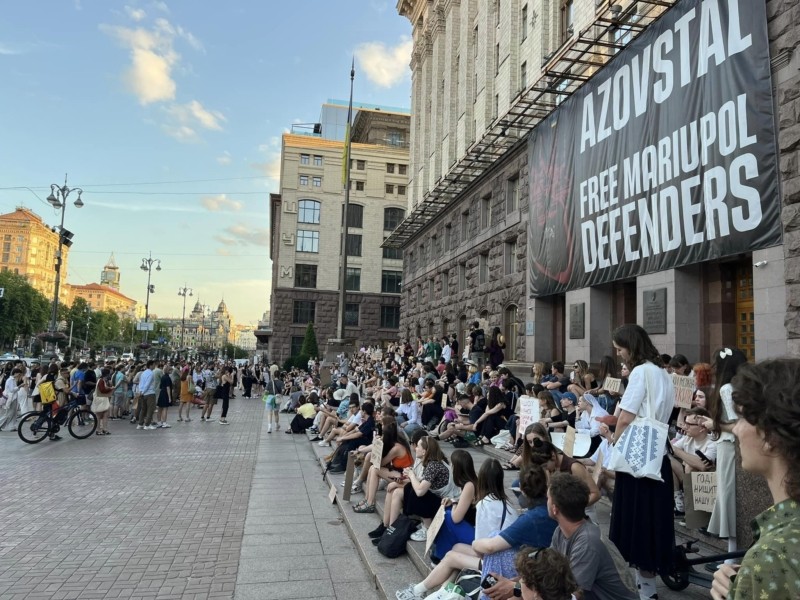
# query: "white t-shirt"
355, 419
729, 413
661, 390
489, 515
707, 446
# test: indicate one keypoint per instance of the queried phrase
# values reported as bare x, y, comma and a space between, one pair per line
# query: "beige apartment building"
516, 110
29, 248
102, 297
306, 227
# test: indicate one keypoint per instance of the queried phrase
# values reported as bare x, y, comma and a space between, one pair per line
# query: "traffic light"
66, 237
152, 288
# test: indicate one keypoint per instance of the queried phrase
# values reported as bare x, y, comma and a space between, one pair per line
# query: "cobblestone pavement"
137, 514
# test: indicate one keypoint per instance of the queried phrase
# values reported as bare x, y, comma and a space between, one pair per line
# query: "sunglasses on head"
535, 554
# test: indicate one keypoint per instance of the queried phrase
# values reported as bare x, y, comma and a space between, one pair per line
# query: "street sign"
145, 326
2, 291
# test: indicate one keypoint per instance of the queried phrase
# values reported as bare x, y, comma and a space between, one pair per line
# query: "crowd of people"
417, 400
141, 392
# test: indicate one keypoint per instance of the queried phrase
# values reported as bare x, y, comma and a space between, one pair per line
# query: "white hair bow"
725, 352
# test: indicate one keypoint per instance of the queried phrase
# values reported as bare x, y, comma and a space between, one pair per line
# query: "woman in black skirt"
642, 524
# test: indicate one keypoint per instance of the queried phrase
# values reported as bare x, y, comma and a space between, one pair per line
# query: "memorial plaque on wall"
654, 303
576, 321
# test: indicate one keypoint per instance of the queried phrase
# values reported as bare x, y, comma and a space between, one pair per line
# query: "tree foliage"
23, 309
309, 348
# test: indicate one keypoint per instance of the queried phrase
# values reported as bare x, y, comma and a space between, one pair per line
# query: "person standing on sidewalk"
209, 392
224, 391
165, 397
147, 401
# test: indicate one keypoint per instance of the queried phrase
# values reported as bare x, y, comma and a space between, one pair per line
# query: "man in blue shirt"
147, 403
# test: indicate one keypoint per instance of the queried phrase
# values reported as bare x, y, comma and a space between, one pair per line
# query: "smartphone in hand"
488, 582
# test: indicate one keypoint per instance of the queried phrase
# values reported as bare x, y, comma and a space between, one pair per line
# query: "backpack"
480, 341
469, 580
47, 392
190, 386
393, 541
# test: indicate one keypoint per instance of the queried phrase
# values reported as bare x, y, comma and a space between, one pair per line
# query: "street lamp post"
184, 291
147, 265
58, 198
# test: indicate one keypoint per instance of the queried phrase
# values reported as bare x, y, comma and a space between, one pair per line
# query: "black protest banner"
666, 157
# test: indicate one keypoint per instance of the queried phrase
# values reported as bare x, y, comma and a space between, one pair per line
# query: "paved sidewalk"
137, 514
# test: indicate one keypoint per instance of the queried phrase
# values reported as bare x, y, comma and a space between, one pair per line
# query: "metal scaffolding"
563, 71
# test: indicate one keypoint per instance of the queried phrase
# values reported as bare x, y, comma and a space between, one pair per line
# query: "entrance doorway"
745, 319
559, 327
624, 303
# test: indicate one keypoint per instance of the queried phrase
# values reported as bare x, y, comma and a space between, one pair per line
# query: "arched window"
308, 212
445, 327
510, 327
392, 218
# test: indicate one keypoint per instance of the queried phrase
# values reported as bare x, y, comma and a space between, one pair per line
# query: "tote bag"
640, 449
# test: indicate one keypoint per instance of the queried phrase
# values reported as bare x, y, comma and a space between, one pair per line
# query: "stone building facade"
484, 74
306, 228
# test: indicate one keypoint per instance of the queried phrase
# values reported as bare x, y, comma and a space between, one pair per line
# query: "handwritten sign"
704, 490
684, 388
377, 453
598, 467
613, 385
433, 530
332, 494
569, 441
528, 412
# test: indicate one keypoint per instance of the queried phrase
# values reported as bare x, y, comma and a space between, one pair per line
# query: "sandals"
510, 467
363, 507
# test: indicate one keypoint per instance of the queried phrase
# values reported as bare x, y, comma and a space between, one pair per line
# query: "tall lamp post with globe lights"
147, 265
184, 291
58, 198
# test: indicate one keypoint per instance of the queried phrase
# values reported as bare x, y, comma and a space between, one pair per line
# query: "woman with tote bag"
642, 524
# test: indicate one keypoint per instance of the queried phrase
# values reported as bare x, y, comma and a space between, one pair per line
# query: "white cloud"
182, 133
221, 202
135, 14
194, 113
243, 234
225, 159
385, 65
162, 6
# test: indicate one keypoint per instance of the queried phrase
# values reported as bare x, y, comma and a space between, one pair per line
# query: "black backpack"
480, 341
393, 541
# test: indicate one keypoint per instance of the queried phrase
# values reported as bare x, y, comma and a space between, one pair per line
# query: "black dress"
163, 394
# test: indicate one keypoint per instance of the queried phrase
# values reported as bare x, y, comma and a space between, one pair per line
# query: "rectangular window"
512, 194
353, 244
353, 280
317, 160
307, 241
486, 212
390, 282
445, 284
523, 75
303, 179
305, 276
361, 165
510, 257
304, 158
462, 277
390, 317
393, 253
434, 252
402, 169
483, 268
390, 167
392, 218
448, 238
497, 59
359, 186
303, 312
464, 226
389, 188
523, 25
431, 290
297, 345
351, 310
355, 215
316, 181
475, 42
401, 190
419, 295
566, 20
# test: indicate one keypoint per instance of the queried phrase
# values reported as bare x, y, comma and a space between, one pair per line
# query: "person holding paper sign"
642, 523
695, 451
767, 400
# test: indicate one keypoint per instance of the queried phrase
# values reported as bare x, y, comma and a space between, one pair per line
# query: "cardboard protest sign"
377, 452
704, 490
433, 530
569, 441
528, 412
613, 385
684, 388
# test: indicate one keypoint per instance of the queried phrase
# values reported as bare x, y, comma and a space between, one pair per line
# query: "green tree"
309, 348
23, 309
77, 319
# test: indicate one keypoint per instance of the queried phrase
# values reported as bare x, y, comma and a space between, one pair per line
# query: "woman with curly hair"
767, 400
544, 574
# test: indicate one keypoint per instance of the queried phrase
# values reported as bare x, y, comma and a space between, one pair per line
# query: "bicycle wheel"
30, 430
82, 424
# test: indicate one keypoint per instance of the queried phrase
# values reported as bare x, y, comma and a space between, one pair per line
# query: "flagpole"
343, 273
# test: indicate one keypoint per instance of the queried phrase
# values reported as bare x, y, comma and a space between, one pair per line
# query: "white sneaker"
221, 422
420, 535
407, 594
151, 427
140, 427
166, 426
324, 444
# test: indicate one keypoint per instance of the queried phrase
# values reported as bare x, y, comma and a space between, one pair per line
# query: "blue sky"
126, 97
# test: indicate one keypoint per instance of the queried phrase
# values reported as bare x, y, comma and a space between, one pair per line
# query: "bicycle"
37, 425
